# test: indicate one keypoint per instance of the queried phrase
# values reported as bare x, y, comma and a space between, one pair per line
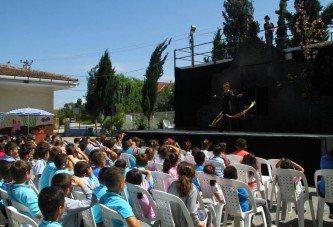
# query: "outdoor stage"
305, 149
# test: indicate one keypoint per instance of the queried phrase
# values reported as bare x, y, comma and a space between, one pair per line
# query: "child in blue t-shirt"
60, 161
51, 201
99, 192
20, 192
115, 183
230, 172
199, 158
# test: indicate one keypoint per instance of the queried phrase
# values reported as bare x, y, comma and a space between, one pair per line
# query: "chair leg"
218, 212
225, 219
312, 211
300, 212
278, 204
284, 210
320, 211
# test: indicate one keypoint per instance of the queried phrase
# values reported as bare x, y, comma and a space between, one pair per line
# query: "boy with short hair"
51, 201
73, 207
115, 183
99, 192
60, 161
85, 172
217, 151
45, 176
20, 192
199, 158
241, 146
99, 160
43, 156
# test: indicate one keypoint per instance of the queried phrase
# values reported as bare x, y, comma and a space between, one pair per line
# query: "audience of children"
51, 165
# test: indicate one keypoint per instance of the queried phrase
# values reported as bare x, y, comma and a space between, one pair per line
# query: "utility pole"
193, 28
27, 64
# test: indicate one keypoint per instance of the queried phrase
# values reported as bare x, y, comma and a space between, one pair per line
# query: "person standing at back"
241, 145
269, 29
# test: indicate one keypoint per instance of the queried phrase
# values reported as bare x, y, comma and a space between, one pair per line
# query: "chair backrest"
133, 190
261, 162
127, 158
23, 209
19, 219
190, 159
243, 170
215, 164
286, 182
87, 215
108, 215
163, 201
33, 187
210, 154
229, 188
234, 158
327, 174
6, 203
272, 162
204, 181
161, 180
154, 166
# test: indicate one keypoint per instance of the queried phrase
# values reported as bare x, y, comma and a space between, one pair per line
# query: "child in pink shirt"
170, 165
134, 176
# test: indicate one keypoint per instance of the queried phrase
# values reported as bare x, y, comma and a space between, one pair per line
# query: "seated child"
20, 192
60, 161
45, 176
250, 160
120, 163
26, 152
73, 207
199, 158
217, 151
99, 160
5, 179
51, 201
99, 192
42, 153
115, 183
209, 169
230, 172
241, 146
85, 172
184, 189
205, 146
170, 165
135, 177
11, 152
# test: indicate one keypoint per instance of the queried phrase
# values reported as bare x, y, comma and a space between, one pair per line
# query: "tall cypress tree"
281, 31
153, 73
235, 22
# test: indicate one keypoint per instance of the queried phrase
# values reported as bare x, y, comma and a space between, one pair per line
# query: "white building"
21, 88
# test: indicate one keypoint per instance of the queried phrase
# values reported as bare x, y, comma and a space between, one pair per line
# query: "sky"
69, 36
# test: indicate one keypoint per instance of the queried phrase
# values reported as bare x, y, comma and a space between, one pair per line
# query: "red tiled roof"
162, 85
6, 70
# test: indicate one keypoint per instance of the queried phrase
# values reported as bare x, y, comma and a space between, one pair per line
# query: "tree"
235, 22
281, 32
153, 73
219, 47
327, 14
91, 96
166, 98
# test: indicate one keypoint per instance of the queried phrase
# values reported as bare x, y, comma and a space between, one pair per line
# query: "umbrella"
29, 112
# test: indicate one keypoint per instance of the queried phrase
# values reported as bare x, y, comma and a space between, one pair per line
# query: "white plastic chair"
108, 215
154, 166
167, 124
265, 179
190, 159
87, 215
272, 163
234, 159
5, 200
242, 172
286, 193
210, 154
215, 164
232, 206
127, 158
163, 200
19, 219
327, 174
161, 180
133, 190
21, 208
209, 198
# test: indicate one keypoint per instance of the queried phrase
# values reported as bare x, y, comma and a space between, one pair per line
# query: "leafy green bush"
142, 122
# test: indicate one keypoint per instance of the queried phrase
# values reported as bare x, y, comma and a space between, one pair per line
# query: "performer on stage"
226, 97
